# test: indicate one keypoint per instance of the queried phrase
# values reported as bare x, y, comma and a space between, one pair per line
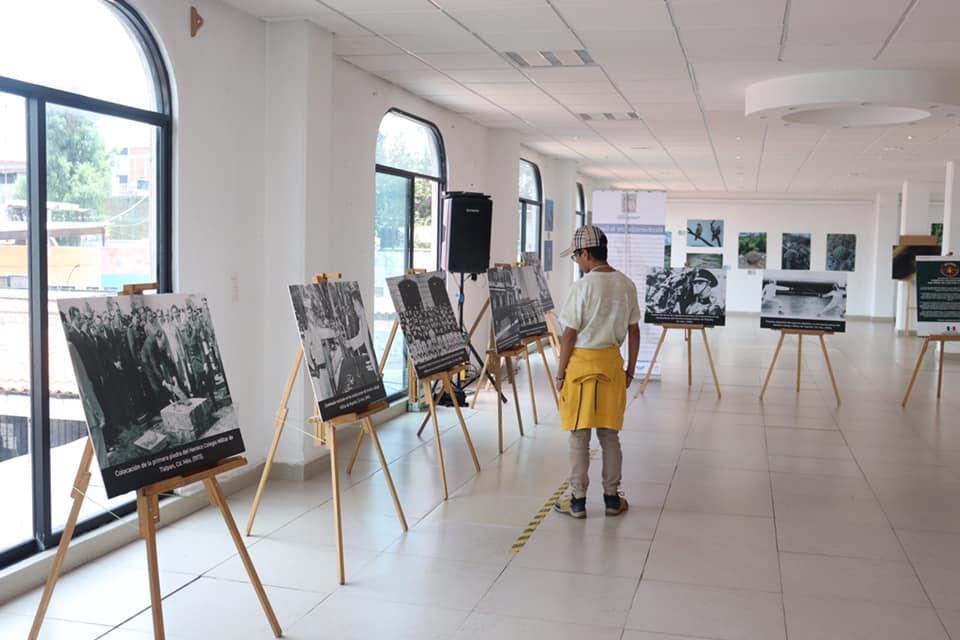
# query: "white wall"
776, 217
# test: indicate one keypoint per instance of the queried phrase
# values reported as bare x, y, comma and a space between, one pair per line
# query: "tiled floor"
788, 519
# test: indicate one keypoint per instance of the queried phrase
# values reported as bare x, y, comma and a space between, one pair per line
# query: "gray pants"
580, 460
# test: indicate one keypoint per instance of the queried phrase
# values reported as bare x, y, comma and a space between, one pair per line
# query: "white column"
951, 217
914, 220
885, 232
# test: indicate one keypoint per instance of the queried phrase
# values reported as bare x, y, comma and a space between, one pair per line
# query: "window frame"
524, 203
411, 177
37, 98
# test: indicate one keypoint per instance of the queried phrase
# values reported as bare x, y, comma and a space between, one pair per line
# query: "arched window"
530, 207
85, 207
410, 176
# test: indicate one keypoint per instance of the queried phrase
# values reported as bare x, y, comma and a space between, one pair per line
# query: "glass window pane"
522, 220
532, 229
529, 181
404, 143
390, 259
16, 502
425, 223
81, 46
101, 235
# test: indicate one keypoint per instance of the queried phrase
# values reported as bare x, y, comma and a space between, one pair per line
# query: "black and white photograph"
841, 252
531, 259
704, 233
430, 329
795, 251
683, 295
812, 300
337, 346
515, 305
706, 260
152, 386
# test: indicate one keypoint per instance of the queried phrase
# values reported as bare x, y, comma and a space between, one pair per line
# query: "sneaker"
573, 507
615, 504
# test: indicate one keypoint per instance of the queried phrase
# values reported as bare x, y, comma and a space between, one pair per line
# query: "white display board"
634, 222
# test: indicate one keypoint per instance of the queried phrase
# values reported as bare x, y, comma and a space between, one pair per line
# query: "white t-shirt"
600, 306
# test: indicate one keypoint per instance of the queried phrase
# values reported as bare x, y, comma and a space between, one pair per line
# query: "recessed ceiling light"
739, 138
739, 157
909, 137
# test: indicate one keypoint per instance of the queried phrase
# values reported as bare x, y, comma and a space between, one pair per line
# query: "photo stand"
688, 329
148, 515
943, 340
428, 384
823, 346
325, 435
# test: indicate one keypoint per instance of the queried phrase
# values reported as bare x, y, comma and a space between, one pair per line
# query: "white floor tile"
817, 618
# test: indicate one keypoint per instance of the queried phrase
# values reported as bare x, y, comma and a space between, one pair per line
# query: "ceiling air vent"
569, 58
619, 117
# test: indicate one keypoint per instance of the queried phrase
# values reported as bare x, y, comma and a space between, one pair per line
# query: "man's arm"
633, 348
567, 342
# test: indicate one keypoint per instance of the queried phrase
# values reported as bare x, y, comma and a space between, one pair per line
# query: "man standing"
600, 311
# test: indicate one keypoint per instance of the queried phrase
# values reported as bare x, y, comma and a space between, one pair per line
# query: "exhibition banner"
938, 296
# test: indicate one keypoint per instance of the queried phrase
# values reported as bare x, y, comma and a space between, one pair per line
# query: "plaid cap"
585, 237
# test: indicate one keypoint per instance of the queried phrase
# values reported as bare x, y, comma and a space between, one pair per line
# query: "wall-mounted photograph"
752, 250
667, 249
841, 252
704, 233
795, 252
708, 260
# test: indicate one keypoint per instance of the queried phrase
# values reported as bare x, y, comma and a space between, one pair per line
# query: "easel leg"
463, 424
546, 365
495, 360
516, 397
776, 354
533, 394
833, 380
356, 451
367, 425
713, 369
278, 431
80, 484
940, 369
916, 370
436, 439
799, 358
426, 418
689, 359
148, 531
483, 373
218, 500
656, 352
335, 483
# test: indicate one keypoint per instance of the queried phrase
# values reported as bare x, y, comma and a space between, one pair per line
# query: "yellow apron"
594, 392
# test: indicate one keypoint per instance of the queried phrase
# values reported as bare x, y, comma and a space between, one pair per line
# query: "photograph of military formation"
151, 382
682, 295
430, 329
337, 346
515, 305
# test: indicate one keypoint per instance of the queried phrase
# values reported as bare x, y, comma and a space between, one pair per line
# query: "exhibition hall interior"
301, 330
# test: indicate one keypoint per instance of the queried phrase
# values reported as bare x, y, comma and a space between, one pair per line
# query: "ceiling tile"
602, 15
463, 61
454, 40
363, 46
532, 40
519, 20
483, 76
401, 62
410, 22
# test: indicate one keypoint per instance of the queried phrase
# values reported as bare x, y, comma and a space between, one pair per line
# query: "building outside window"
410, 178
69, 230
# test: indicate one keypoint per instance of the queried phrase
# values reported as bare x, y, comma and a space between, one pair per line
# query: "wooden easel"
325, 435
442, 377
148, 515
687, 331
943, 340
823, 346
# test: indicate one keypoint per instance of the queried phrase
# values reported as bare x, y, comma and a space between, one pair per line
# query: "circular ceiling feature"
848, 99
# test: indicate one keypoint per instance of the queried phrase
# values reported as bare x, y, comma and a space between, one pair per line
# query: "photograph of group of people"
337, 346
433, 338
515, 305
151, 382
815, 300
685, 296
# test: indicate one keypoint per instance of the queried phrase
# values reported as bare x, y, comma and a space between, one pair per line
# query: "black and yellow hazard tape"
538, 518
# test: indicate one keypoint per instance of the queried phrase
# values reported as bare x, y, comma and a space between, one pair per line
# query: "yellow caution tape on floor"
538, 518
